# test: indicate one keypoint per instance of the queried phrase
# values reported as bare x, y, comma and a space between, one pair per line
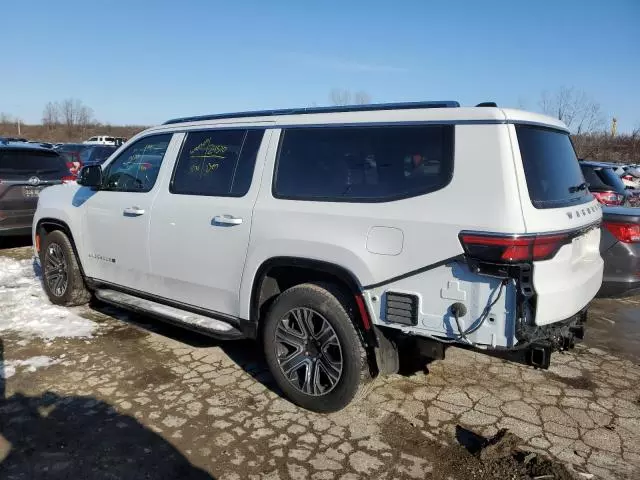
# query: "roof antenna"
487, 104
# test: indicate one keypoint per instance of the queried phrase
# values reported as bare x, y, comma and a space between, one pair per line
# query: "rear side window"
27, 162
217, 163
553, 174
363, 164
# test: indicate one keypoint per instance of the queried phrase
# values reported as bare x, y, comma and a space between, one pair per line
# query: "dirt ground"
141, 399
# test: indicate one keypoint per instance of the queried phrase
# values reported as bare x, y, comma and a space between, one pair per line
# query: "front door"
116, 219
199, 233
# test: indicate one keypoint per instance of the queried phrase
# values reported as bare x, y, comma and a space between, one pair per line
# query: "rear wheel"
313, 349
61, 276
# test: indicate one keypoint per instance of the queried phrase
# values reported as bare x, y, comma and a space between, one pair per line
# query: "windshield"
553, 174
96, 154
71, 148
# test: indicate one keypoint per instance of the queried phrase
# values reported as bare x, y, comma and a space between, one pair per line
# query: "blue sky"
144, 61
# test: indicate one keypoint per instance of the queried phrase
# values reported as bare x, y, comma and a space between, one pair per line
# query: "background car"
620, 249
105, 140
79, 154
25, 169
604, 183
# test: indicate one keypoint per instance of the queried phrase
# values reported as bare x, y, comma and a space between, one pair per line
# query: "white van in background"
105, 140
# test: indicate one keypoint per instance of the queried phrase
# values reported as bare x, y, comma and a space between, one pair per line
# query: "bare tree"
342, 96
362, 98
5, 118
575, 108
85, 118
51, 115
75, 114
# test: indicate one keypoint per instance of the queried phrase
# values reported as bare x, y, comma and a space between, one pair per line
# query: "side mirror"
90, 176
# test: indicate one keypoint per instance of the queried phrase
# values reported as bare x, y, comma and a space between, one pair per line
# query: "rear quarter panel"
481, 196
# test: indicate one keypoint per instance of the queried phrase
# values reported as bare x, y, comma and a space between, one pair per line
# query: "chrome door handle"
133, 211
226, 220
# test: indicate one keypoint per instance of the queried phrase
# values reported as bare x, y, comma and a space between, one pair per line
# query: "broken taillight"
512, 249
625, 232
609, 198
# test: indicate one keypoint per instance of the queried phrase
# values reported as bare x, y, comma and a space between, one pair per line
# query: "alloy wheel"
55, 270
308, 351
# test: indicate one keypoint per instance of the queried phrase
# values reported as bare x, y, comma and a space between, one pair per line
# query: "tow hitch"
556, 337
539, 356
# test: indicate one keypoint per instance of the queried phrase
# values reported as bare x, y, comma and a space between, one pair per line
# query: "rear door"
23, 174
554, 198
201, 223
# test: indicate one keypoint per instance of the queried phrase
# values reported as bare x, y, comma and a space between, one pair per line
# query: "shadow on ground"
56, 437
247, 354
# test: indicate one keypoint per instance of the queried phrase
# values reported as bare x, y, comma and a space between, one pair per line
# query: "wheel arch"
47, 225
279, 273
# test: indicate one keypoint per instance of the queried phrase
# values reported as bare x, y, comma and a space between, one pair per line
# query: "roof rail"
336, 109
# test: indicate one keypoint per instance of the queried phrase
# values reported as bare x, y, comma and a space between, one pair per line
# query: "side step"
182, 318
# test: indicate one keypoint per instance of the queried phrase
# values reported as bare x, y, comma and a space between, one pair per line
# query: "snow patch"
8, 368
25, 308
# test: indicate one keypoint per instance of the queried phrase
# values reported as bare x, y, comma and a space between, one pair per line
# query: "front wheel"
313, 349
61, 276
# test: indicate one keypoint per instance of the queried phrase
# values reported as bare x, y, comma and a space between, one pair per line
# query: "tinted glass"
217, 162
96, 154
363, 163
71, 148
551, 168
20, 162
602, 178
137, 167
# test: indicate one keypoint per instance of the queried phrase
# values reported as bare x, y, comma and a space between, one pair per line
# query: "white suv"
337, 236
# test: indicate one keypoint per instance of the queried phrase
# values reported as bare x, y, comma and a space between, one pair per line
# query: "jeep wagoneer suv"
333, 235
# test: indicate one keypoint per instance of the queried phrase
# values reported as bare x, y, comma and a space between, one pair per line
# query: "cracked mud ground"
141, 399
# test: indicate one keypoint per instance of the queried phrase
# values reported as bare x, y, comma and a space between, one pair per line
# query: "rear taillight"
609, 198
512, 249
625, 232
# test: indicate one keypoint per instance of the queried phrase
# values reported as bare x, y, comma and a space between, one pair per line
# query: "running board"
182, 318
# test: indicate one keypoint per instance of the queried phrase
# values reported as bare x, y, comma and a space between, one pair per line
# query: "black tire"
333, 307
57, 246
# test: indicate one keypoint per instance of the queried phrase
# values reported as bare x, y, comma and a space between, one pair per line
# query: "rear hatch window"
602, 178
553, 174
26, 163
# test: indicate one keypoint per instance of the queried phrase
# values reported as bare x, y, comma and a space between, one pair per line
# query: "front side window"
217, 163
136, 168
363, 164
